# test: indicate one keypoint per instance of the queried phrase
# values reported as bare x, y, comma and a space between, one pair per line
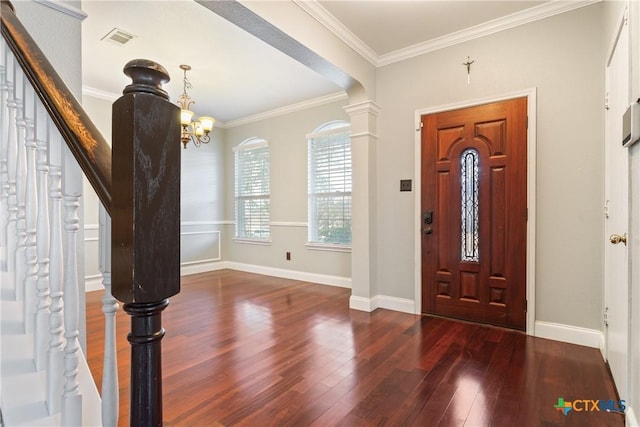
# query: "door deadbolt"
428, 217
616, 238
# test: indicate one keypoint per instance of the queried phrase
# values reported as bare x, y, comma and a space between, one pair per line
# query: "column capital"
365, 107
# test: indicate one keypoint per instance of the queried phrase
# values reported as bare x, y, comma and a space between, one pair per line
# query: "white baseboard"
94, 283
631, 420
323, 279
570, 334
362, 304
382, 301
196, 267
396, 304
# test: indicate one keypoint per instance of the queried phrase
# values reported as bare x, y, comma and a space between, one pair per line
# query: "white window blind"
252, 190
329, 186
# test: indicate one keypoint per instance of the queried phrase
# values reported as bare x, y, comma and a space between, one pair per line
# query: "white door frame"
618, 358
530, 94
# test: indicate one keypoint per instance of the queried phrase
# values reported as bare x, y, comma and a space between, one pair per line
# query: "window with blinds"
329, 184
252, 190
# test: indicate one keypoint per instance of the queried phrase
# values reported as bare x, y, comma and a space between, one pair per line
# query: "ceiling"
235, 75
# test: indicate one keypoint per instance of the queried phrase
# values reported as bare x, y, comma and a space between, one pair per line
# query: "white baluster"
110, 398
12, 154
4, 127
20, 181
56, 330
72, 399
41, 335
30, 209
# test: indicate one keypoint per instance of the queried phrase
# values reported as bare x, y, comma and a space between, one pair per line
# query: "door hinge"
526, 305
420, 127
527, 123
606, 101
526, 214
604, 317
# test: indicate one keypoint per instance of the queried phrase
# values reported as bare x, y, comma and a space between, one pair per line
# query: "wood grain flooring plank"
243, 349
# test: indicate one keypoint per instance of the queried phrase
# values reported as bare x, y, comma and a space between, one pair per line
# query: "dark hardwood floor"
245, 349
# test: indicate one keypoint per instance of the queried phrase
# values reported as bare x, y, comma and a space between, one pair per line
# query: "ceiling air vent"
118, 36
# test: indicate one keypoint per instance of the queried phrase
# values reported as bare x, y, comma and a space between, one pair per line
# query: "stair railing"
46, 139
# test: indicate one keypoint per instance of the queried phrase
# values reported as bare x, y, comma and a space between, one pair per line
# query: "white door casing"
616, 267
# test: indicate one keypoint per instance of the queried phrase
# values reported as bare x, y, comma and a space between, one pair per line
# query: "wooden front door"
474, 206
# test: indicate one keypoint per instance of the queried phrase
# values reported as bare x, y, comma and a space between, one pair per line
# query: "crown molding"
112, 97
546, 10
536, 13
285, 110
329, 21
99, 93
64, 8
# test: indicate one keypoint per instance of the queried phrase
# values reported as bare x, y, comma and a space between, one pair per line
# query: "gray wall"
59, 36
288, 156
561, 57
207, 209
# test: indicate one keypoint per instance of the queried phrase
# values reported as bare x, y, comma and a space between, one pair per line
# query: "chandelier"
196, 132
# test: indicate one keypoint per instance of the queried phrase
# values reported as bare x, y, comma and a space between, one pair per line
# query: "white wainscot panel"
93, 277
199, 243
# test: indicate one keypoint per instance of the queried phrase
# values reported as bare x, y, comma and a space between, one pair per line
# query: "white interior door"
616, 280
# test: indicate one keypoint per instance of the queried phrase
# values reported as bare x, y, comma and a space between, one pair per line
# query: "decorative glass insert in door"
469, 180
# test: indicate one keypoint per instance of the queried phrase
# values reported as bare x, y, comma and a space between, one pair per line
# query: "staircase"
46, 143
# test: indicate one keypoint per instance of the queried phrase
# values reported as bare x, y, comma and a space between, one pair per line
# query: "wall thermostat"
631, 124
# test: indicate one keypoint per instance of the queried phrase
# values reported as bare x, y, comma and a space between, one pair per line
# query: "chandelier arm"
192, 131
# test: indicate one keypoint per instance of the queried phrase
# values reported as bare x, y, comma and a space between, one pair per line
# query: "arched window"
329, 184
252, 190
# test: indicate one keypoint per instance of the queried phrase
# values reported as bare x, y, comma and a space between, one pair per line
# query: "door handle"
427, 230
616, 238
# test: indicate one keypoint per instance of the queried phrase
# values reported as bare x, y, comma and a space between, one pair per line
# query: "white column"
56, 329
41, 336
30, 209
110, 398
363, 205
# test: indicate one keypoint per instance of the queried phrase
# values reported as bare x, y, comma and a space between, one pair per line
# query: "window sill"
247, 241
331, 247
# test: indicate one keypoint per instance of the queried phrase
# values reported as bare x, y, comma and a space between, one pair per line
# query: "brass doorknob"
615, 239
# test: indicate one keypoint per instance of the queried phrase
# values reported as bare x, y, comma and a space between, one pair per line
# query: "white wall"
288, 156
560, 56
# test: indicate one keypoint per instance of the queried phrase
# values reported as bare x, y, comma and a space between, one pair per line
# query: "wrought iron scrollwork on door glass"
469, 180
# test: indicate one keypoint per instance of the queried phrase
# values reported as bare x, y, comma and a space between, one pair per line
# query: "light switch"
405, 185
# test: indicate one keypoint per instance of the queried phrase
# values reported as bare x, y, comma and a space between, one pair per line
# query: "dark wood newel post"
145, 225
